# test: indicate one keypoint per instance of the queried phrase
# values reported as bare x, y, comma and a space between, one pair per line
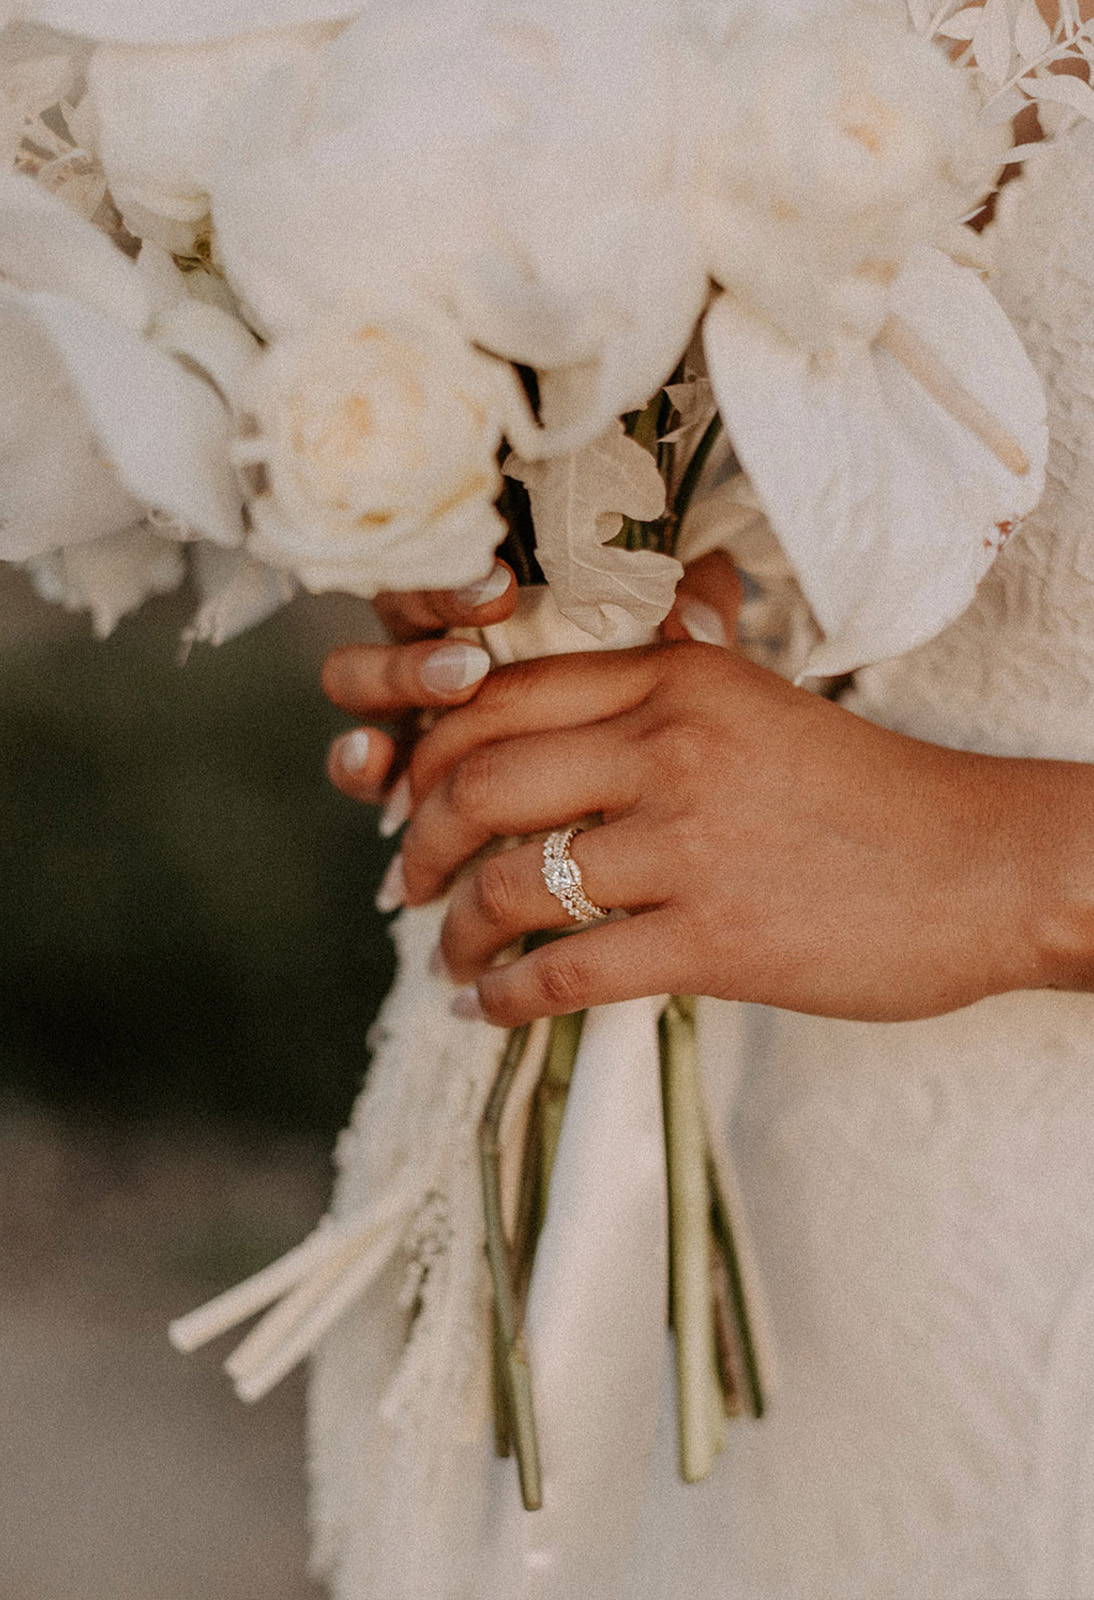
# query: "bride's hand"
768, 844
421, 671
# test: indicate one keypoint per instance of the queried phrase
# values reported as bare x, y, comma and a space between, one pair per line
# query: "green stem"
694, 469
700, 1404
554, 1086
512, 1356
740, 1329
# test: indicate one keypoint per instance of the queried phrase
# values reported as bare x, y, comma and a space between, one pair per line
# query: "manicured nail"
454, 666
396, 809
466, 1003
492, 587
392, 891
438, 966
701, 622
353, 750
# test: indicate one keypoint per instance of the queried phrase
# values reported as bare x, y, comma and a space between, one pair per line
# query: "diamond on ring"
562, 875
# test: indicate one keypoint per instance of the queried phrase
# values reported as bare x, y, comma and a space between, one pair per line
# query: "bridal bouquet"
338, 295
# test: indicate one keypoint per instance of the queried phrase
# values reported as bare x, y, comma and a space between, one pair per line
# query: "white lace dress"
921, 1199
922, 1195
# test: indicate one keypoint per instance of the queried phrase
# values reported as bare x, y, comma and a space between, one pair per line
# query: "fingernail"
396, 809
492, 587
392, 890
353, 750
701, 622
438, 966
466, 1003
454, 666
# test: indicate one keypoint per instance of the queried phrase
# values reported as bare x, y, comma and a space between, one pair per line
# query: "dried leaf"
1064, 90
992, 41
578, 503
1032, 35
694, 405
963, 24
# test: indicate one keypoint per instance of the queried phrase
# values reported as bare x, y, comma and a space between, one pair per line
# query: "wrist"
1051, 834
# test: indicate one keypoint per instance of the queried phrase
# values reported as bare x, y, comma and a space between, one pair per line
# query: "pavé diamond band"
562, 875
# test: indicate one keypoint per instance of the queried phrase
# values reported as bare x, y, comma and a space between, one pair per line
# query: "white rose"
825, 151
101, 429
521, 168
372, 456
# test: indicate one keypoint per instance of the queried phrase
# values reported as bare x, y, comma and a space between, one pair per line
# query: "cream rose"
370, 453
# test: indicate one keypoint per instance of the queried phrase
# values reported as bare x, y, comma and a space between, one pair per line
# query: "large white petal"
164, 431
44, 244
109, 577
889, 509
55, 487
163, 114
181, 21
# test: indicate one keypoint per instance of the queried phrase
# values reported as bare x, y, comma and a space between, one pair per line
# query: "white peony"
161, 114
518, 166
824, 152
370, 446
102, 430
892, 426
173, 21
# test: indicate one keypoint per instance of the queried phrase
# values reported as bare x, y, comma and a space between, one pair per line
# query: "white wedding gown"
920, 1196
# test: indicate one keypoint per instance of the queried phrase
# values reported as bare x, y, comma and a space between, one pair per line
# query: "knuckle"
680, 749
494, 893
338, 676
473, 782
562, 980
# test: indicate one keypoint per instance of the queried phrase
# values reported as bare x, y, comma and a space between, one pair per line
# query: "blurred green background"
188, 925
191, 960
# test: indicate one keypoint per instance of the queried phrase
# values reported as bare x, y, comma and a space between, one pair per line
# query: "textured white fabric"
922, 1195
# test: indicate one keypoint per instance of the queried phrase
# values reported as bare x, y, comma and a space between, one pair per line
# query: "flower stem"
689, 482
554, 1086
699, 1398
511, 1357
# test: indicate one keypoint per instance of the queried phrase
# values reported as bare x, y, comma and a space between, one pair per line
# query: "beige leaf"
578, 504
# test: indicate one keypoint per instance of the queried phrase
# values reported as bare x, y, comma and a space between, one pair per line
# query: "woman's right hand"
420, 671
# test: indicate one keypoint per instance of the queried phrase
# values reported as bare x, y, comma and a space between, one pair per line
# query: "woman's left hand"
768, 844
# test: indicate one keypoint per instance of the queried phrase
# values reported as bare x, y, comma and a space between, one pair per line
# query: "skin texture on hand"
766, 844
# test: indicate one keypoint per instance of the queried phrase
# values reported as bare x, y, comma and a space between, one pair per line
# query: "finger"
612, 961
379, 680
424, 611
541, 696
359, 763
505, 896
708, 602
515, 786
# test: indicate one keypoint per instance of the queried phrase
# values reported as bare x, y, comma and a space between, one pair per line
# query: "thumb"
707, 602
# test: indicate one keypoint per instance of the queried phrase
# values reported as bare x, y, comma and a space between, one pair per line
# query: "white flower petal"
46, 245
55, 487
109, 577
237, 593
163, 430
211, 339
181, 21
163, 114
889, 510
